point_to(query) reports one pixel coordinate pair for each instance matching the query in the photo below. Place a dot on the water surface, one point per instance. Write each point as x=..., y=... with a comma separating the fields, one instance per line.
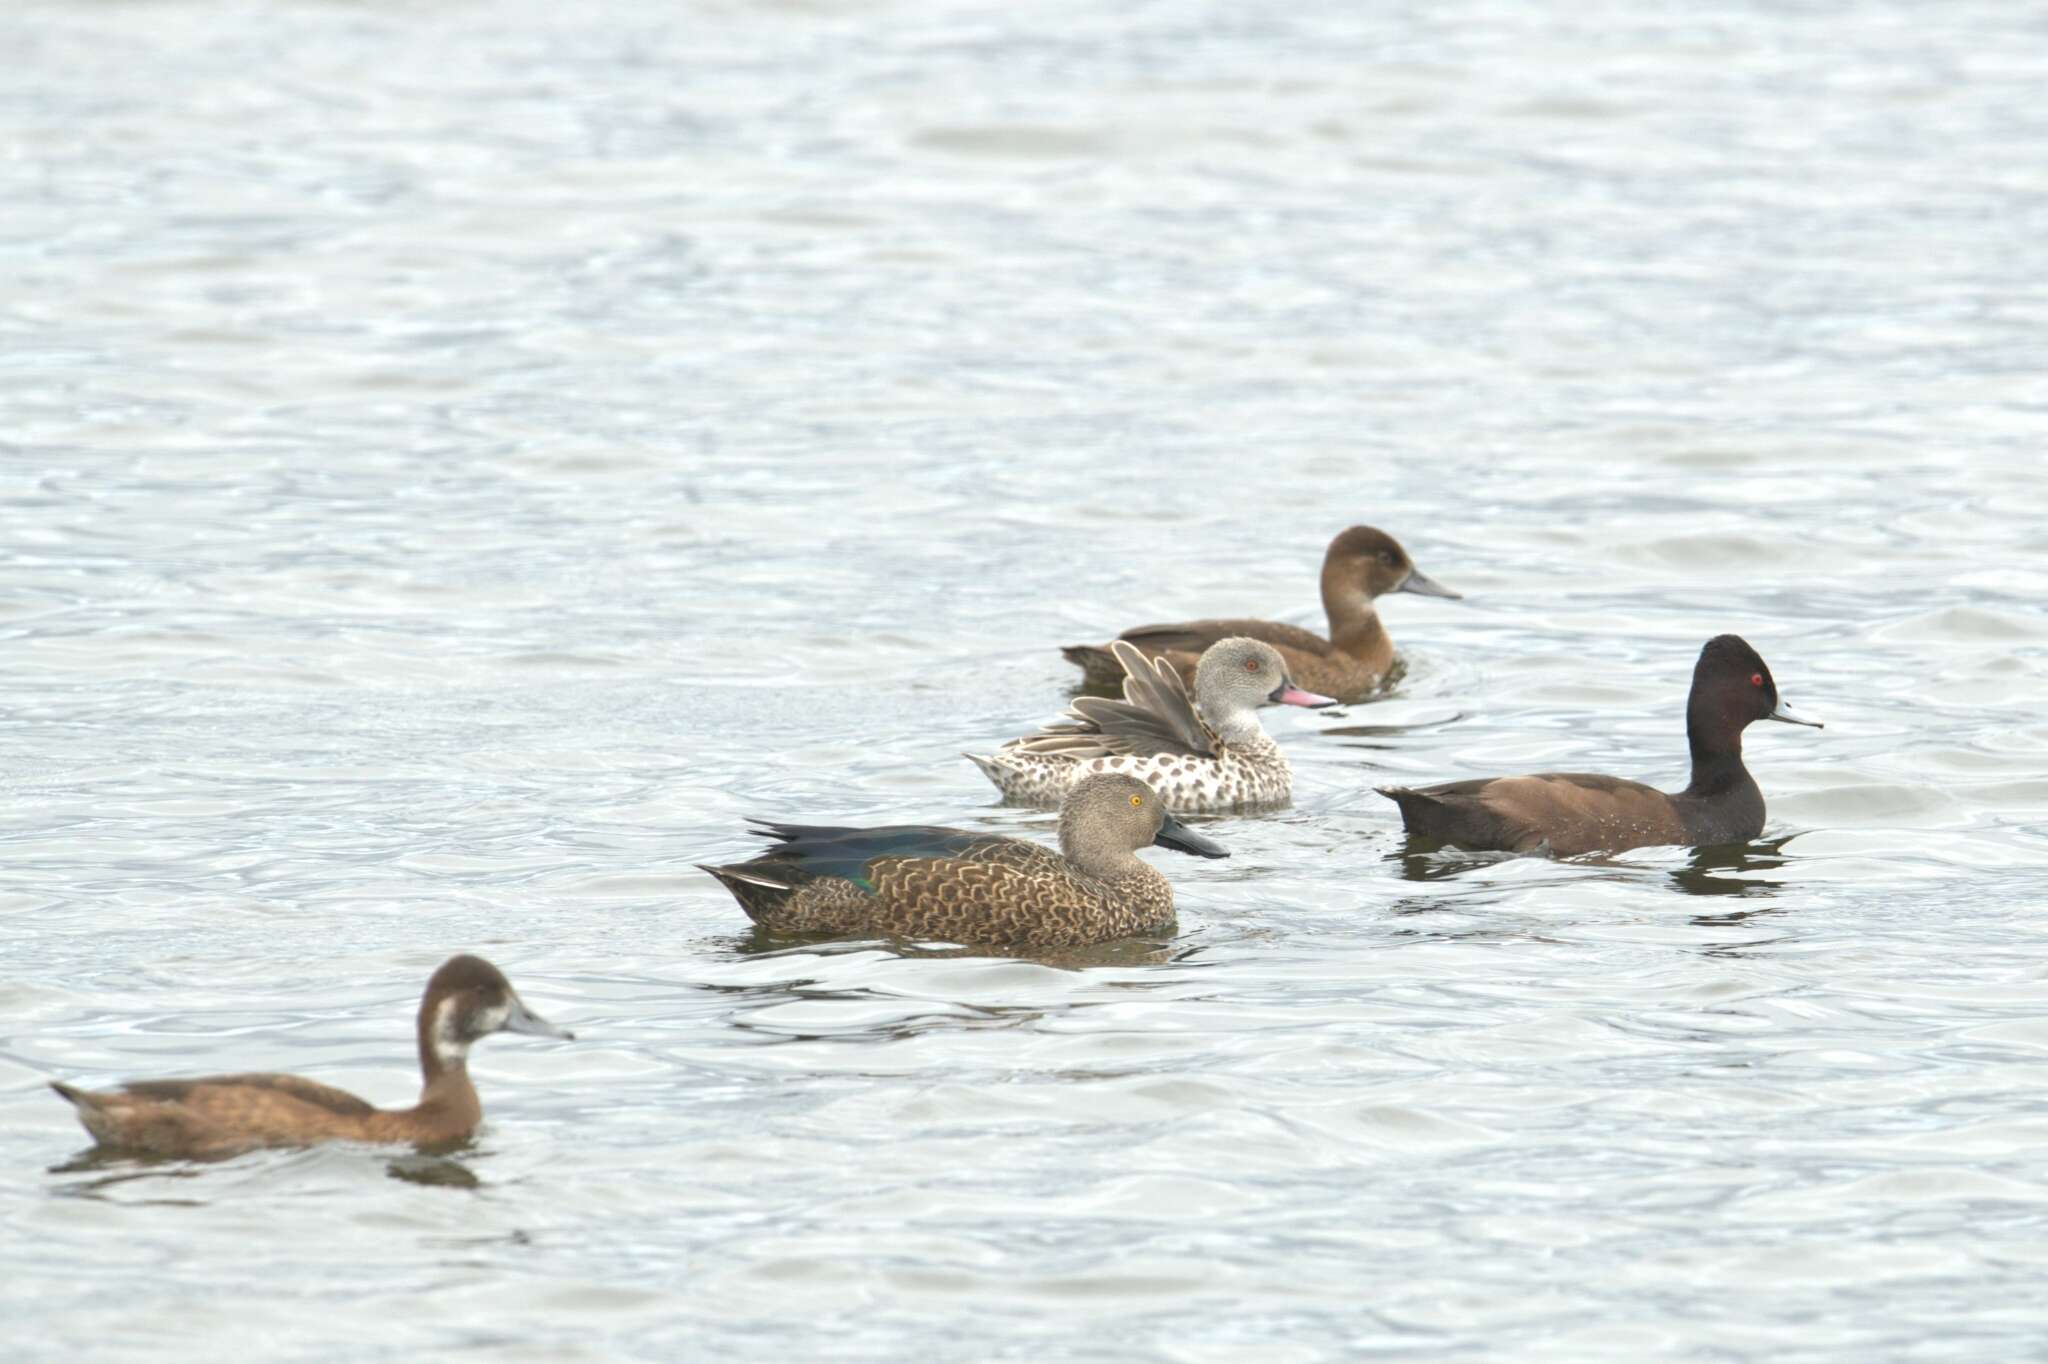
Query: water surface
x=458, y=461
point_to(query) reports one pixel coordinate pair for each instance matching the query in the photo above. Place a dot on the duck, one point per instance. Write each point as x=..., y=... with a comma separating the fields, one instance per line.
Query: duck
x=1567, y=813
x=1362, y=563
x=466, y=999
x=972, y=887
x=1219, y=760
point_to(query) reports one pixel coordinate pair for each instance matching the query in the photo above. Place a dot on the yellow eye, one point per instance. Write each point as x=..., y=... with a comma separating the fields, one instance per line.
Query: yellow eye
x=1137, y=800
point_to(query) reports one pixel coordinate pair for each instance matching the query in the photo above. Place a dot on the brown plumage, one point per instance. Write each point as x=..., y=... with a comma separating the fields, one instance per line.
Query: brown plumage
x=221, y=1115
x=1580, y=812
x=1362, y=563
x=918, y=881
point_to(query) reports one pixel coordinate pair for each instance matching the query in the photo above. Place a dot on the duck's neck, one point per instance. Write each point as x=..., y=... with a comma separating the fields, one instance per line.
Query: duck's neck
x=1716, y=748
x=447, y=1096
x=1354, y=623
x=445, y=1089
x=1236, y=725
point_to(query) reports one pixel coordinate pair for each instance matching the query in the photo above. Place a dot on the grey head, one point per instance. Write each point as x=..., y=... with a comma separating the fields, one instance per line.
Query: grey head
x=1108, y=816
x=1238, y=675
x=467, y=1000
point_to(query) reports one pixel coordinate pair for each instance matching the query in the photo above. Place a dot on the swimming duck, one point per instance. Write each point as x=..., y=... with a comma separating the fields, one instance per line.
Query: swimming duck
x=1577, y=812
x=968, y=887
x=1221, y=759
x=1361, y=563
x=221, y=1115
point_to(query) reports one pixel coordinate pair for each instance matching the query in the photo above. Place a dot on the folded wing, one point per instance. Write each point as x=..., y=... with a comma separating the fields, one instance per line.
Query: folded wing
x=1154, y=717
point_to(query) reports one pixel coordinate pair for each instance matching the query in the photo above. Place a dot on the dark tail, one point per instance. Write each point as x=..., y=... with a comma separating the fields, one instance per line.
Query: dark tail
x=1451, y=817
x=1413, y=803
x=1098, y=665
x=756, y=893
x=78, y=1098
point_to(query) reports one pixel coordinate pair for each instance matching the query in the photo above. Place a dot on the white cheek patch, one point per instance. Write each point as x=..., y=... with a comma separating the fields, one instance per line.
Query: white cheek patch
x=449, y=1043
x=449, y=1048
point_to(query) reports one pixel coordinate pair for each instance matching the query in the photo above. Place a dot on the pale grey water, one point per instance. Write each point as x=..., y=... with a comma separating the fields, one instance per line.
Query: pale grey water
x=460, y=459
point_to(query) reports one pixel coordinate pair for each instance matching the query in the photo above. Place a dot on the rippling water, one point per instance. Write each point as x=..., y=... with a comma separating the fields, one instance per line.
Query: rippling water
x=459, y=459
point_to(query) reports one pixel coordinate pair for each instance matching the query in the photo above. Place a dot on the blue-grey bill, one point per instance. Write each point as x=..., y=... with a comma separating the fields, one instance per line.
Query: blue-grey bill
x=1179, y=837
x=1784, y=712
x=523, y=1019
x=1423, y=585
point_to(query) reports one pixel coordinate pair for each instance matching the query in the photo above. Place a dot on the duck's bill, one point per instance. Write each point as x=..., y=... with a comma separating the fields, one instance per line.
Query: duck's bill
x=1179, y=837
x=523, y=1019
x=1784, y=712
x=1287, y=694
x=1423, y=585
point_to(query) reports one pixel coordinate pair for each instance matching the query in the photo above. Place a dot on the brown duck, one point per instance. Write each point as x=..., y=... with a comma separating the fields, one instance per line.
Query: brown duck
x=1579, y=812
x=221, y=1115
x=1361, y=564
x=917, y=881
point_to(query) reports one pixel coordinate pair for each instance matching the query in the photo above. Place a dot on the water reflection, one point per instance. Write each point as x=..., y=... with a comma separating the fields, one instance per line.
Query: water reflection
x=121, y=1167
x=1708, y=872
x=115, y=1167
x=1421, y=858
x=438, y=1171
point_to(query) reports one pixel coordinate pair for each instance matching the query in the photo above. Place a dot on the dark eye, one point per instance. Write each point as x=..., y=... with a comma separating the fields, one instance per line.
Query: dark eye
x=1387, y=557
x=1756, y=679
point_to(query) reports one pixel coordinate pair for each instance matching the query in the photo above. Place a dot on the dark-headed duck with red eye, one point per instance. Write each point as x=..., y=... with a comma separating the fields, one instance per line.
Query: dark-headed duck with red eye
x=1362, y=563
x=466, y=1000
x=1578, y=812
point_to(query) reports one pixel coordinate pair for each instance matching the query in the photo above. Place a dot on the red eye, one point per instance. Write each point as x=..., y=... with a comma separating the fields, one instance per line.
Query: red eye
x=1756, y=679
x=1251, y=665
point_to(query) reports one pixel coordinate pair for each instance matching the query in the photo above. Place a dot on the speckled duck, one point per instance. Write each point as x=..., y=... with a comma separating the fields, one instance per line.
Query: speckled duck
x=1219, y=760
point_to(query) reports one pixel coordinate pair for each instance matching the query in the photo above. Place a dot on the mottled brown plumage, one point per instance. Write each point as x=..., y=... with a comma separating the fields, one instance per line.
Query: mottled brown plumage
x=221, y=1115
x=961, y=886
x=1580, y=812
x=1362, y=563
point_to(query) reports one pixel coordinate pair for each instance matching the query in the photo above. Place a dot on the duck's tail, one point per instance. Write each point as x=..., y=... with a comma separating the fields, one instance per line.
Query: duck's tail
x=1421, y=812
x=1099, y=667
x=758, y=893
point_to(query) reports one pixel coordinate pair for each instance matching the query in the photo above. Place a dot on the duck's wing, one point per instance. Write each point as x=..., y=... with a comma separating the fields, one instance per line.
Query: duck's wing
x=1194, y=636
x=1566, y=811
x=807, y=851
x=835, y=879
x=226, y=1096
x=1154, y=717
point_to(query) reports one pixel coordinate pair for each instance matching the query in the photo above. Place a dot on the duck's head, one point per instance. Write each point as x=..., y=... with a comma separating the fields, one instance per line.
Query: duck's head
x=1112, y=811
x=1732, y=686
x=467, y=1000
x=1370, y=561
x=1242, y=674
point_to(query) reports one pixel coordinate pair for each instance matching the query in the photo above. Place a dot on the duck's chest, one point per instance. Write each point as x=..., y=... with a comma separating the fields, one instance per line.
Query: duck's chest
x=1239, y=775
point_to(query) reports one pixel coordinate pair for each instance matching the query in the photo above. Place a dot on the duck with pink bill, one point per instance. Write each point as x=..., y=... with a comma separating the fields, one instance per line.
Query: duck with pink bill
x=1205, y=755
